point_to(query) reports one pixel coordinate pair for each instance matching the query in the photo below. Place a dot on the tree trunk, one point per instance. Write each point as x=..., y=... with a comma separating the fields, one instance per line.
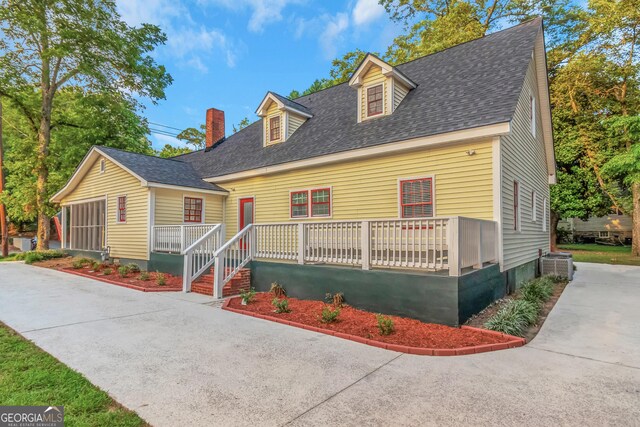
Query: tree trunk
x=553, y=230
x=4, y=232
x=635, y=234
x=42, y=171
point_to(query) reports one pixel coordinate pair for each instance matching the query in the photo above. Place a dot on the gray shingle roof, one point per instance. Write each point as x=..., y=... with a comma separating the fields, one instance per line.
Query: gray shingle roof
x=470, y=85
x=159, y=170
x=291, y=104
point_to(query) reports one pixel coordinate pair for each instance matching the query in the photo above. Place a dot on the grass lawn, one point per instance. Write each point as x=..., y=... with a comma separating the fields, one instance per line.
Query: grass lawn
x=11, y=257
x=590, y=252
x=30, y=376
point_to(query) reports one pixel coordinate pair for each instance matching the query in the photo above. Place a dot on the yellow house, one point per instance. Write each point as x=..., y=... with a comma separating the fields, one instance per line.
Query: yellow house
x=427, y=180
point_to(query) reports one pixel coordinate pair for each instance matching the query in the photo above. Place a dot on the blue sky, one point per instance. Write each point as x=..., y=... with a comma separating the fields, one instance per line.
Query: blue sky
x=228, y=53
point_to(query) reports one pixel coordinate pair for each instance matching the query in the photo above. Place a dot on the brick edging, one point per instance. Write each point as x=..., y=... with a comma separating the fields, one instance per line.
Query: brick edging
x=512, y=343
x=124, y=285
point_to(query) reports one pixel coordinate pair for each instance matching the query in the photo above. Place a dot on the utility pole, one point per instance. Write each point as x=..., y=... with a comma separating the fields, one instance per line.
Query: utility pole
x=4, y=232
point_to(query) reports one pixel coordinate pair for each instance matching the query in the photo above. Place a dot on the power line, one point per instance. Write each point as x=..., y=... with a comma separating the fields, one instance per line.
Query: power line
x=165, y=126
x=162, y=132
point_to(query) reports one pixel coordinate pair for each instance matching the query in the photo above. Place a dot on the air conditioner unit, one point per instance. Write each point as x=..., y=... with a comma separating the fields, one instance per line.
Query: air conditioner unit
x=557, y=264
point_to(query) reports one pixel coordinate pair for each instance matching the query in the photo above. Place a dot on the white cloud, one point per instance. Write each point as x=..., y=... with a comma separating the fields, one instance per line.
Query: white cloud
x=161, y=140
x=263, y=12
x=186, y=42
x=366, y=11
x=330, y=37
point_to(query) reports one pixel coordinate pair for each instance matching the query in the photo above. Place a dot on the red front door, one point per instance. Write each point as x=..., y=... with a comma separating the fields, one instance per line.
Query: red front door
x=245, y=214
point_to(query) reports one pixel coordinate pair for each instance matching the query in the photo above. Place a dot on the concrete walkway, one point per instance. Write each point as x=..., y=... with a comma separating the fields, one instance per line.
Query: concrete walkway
x=178, y=360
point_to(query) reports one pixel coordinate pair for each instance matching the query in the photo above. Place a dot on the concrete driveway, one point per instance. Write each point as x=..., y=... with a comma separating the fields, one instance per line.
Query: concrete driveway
x=179, y=360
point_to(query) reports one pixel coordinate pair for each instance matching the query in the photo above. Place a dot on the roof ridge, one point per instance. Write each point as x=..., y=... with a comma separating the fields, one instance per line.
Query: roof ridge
x=139, y=154
x=527, y=22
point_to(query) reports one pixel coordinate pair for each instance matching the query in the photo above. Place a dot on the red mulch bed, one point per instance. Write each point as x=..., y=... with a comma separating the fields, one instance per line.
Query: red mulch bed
x=408, y=332
x=173, y=283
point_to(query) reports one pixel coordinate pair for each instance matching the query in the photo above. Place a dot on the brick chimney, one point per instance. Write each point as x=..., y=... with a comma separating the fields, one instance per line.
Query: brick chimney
x=215, y=127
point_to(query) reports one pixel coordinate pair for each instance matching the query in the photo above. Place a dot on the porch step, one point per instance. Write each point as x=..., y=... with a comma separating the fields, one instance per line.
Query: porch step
x=240, y=282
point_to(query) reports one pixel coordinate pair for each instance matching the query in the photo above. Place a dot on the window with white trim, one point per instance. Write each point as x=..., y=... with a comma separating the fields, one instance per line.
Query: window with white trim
x=416, y=198
x=516, y=205
x=532, y=114
x=274, y=128
x=534, y=206
x=375, y=101
x=192, y=209
x=312, y=203
x=103, y=165
x=121, y=214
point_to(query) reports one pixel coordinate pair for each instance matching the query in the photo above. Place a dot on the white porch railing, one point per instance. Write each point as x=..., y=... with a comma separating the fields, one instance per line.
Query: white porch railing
x=200, y=255
x=448, y=243
x=176, y=238
x=232, y=256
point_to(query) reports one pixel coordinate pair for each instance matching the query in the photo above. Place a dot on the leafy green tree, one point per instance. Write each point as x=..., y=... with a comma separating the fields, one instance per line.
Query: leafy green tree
x=243, y=124
x=196, y=138
x=47, y=45
x=170, y=151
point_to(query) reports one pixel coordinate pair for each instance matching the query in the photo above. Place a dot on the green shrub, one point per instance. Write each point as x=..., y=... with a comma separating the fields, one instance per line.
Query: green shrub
x=281, y=305
x=537, y=291
x=161, y=279
x=107, y=271
x=248, y=295
x=144, y=275
x=30, y=257
x=277, y=290
x=95, y=266
x=385, y=324
x=329, y=315
x=133, y=267
x=123, y=270
x=514, y=317
x=77, y=264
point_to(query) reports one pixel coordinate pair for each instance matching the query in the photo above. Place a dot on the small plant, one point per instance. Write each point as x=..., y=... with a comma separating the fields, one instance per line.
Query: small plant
x=537, y=291
x=329, y=315
x=336, y=299
x=385, y=324
x=247, y=296
x=123, y=271
x=107, y=271
x=77, y=264
x=30, y=257
x=161, y=279
x=277, y=290
x=95, y=266
x=281, y=305
x=144, y=276
x=133, y=267
x=514, y=317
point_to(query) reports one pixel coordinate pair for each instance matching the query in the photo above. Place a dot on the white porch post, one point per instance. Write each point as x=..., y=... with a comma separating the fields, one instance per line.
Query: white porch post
x=186, y=274
x=182, y=245
x=453, y=241
x=479, y=264
x=218, y=276
x=301, y=243
x=64, y=228
x=365, y=241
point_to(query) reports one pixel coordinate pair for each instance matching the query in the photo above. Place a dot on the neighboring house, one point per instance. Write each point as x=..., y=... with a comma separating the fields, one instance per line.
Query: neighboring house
x=612, y=228
x=420, y=189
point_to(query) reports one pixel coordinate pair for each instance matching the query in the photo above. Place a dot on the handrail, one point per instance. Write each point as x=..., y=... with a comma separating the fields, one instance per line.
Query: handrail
x=199, y=256
x=231, y=257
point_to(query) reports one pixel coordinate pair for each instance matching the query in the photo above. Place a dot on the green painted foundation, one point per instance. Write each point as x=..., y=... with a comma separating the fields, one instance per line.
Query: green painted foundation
x=520, y=274
x=428, y=297
x=166, y=263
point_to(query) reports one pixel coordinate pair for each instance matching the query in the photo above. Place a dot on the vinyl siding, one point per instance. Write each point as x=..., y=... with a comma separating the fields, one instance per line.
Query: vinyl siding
x=367, y=189
x=524, y=160
x=128, y=240
x=399, y=92
x=373, y=77
x=272, y=112
x=295, y=122
x=169, y=208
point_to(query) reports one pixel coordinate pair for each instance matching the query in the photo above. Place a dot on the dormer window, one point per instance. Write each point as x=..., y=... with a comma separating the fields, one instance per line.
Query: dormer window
x=381, y=88
x=281, y=117
x=375, y=103
x=274, y=129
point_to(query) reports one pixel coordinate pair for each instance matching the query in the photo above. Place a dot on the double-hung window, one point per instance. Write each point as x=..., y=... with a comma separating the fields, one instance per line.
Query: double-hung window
x=192, y=209
x=374, y=100
x=274, y=128
x=122, y=209
x=416, y=198
x=314, y=203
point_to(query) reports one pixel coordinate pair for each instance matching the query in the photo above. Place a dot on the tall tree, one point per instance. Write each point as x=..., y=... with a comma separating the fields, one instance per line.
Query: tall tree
x=4, y=232
x=49, y=44
x=194, y=137
x=241, y=125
